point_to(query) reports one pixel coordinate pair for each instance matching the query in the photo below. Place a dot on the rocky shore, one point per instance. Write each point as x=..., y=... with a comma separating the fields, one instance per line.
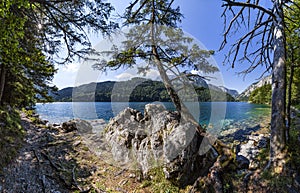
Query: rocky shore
x=71, y=156
x=135, y=141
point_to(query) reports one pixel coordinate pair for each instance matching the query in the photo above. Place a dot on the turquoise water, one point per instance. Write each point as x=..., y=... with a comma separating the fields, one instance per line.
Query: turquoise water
x=224, y=113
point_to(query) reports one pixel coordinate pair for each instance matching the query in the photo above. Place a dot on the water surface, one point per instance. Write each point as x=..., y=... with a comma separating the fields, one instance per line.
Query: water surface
x=223, y=114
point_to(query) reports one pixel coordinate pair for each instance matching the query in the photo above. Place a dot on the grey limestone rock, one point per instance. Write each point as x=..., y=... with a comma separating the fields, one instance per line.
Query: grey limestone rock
x=82, y=126
x=251, y=148
x=159, y=139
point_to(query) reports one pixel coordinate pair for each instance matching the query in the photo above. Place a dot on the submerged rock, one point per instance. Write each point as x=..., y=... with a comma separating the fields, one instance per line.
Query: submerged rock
x=159, y=139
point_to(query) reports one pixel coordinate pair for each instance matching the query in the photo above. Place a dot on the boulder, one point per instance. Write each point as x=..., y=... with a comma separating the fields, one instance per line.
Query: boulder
x=98, y=125
x=159, y=139
x=69, y=126
x=82, y=126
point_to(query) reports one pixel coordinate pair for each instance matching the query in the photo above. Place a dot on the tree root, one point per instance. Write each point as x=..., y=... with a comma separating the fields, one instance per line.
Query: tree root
x=213, y=182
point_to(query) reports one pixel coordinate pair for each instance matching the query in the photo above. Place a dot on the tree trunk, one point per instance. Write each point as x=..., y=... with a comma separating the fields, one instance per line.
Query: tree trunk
x=2, y=82
x=289, y=101
x=180, y=107
x=278, y=139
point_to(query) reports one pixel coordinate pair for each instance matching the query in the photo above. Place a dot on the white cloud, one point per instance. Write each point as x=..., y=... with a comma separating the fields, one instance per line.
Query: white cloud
x=72, y=67
x=124, y=76
x=196, y=72
x=150, y=74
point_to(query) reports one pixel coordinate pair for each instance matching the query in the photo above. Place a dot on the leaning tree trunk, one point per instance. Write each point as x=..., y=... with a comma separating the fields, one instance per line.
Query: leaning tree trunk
x=180, y=107
x=278, y=138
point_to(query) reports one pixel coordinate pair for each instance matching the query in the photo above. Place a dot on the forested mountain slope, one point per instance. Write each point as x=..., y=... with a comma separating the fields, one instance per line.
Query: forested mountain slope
x=143, y=90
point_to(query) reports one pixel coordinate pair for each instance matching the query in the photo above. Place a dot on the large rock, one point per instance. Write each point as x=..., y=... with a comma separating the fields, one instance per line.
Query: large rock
x=159, y=139
x=82, y=126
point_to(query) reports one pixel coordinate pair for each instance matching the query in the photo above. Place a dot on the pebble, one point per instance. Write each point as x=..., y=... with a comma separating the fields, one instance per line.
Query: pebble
x=76, y=143
x=123, y=182
x=253, y=165
x=132, y=175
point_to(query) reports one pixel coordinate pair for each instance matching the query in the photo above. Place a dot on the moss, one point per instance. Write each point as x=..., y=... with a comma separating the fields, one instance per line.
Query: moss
x=158, y=182
x=276, y=183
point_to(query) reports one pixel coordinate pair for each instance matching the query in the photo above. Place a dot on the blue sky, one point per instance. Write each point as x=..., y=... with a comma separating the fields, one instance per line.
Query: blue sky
x=202, y=20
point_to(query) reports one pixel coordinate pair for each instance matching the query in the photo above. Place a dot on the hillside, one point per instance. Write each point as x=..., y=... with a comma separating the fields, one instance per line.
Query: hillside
x=244, y=96
x=261, y=95
x=136, y=89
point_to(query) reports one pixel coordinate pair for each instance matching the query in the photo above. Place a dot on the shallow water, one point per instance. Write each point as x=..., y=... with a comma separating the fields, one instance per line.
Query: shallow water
x=215, y=116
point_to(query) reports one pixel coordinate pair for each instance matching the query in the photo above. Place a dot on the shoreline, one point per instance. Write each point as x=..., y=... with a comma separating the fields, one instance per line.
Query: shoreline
x=247, y=163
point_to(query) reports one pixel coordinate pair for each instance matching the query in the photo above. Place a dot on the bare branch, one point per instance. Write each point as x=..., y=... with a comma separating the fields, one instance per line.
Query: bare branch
x=237, y=45
x=250, y=5
x=230, y=27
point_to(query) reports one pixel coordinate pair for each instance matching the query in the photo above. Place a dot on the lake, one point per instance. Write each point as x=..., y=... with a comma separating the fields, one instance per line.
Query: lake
x=219, y=115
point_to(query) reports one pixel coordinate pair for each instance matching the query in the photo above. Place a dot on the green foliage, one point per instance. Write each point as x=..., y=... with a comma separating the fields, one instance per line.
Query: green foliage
x=63, y=26
x=293, y=49
x=207, y=95
x=32, y=34
x=175, y=51
x=296, y=87
x=159, y=183
x=261, y=95
x=11, y=135
x=25, y=73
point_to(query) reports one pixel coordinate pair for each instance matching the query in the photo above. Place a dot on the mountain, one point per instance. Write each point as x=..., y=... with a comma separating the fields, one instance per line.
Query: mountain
x=246, y=93
x=200, y=82
x=233, y=93
x=136, y=89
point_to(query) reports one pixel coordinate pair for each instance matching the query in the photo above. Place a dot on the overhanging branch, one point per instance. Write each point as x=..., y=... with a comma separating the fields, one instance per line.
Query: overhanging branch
x=250, y=5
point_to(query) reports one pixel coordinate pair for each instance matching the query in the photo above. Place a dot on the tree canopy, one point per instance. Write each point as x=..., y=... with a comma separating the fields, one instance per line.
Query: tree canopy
x=38, y=34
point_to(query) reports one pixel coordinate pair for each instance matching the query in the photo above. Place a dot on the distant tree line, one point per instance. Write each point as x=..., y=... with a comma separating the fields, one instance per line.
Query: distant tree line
x=147, y=91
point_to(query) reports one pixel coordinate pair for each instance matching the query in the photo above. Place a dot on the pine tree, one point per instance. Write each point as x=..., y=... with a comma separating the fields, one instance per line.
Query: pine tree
x=156, y=40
